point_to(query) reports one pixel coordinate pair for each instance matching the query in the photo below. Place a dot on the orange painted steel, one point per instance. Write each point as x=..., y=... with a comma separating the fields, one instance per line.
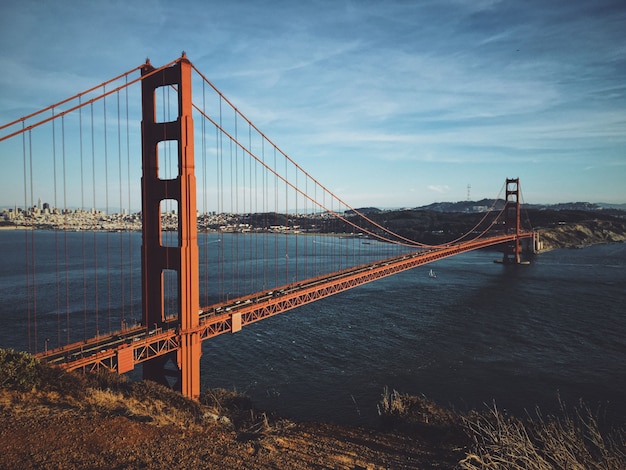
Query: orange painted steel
x=513, y=249
x=229, y=317
x=183, y=259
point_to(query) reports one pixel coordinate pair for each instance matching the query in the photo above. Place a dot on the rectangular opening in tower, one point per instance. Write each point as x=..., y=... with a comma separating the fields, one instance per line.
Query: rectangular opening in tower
x=170, y=227
x=166, y=104
x=170, y=294
x=167, y=159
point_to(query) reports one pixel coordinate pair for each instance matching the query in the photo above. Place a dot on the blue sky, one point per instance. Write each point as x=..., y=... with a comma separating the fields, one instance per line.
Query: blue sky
x=387, y=103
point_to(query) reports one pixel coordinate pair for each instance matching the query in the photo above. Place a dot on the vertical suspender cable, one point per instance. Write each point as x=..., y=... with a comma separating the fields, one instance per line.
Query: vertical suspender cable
x=296, y=215
x=316, y=238
x=323, y=234
x=121, y=212
x=236, y=270
x=253, y=189
x=247, y=211
x=130, y=232
x=276, y=223
x=265, y=189
x=222, y=210
x=220, y=195
x=334, y=236
x=253, y=210
x=286, y=226
x=306, y=218
x=66, y=249
x=233, y=239
x=243, y=259
x=26, y=246
x=56, y=228
x=95, y=238
x=204, y=200
x=33, y=246
x=82, y=207
x=220, y=242
x=106, y=211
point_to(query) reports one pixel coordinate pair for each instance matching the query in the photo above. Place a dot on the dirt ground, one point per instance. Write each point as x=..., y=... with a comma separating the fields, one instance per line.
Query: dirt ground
x=35, y=434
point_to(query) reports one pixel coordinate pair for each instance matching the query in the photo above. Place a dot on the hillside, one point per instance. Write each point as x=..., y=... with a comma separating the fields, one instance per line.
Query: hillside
x=562, y=228
x=53, y=419
x=583, y=233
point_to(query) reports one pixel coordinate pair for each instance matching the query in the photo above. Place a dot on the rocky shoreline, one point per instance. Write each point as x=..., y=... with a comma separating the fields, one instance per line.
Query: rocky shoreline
x=579, y=235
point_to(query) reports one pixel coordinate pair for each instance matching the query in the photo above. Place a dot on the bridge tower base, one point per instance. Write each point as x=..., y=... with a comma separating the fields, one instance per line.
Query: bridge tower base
x=182, y=259
x=513, y=250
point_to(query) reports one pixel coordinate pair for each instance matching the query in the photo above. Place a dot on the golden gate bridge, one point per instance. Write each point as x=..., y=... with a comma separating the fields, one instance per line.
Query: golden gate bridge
x=273, y=237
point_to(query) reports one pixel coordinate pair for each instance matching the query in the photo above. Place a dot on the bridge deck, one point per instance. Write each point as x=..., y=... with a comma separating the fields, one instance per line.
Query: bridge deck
x=121, y=351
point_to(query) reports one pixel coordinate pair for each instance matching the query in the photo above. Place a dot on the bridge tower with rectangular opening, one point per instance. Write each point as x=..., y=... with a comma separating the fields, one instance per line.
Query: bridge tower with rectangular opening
x=179, y=369
x=512, y=250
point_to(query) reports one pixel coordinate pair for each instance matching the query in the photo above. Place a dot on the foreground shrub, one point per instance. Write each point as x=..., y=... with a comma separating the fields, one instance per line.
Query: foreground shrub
x=18, y=370
x=421, y=416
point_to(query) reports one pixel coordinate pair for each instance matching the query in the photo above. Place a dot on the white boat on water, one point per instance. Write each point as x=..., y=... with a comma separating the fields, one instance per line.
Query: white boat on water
x=432, y=274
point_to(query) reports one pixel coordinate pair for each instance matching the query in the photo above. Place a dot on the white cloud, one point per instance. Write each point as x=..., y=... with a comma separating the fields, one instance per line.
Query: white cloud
x=439, y=188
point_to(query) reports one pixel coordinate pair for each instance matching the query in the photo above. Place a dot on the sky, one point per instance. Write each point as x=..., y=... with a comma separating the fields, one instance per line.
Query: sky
x=391, y=103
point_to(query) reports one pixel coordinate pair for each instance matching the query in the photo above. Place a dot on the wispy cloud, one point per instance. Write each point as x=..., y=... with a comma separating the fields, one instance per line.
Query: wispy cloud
x=453, y=86
x=438, y=188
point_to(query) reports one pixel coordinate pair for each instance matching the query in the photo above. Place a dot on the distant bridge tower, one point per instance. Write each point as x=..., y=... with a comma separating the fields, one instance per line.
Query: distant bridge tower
x=181, y=259
x=513, y=249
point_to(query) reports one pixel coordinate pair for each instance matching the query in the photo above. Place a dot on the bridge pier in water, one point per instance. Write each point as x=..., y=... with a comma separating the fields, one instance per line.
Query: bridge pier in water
x=183, y=258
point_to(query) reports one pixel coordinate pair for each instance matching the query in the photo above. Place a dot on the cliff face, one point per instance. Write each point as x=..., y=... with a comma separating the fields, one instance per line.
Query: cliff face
x=589, y=232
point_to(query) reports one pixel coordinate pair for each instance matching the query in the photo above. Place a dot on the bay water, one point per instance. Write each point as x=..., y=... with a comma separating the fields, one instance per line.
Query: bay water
x=478, y=332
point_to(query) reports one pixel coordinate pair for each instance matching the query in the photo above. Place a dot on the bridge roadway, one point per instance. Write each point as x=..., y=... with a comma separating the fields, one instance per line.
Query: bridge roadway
x=121, y=351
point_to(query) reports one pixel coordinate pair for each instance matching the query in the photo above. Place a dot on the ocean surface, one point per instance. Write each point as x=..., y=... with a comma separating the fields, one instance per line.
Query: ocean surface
x=480, y=331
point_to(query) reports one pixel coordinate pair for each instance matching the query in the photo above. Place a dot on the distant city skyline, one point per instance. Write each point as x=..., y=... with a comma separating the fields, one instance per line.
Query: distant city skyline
x=388, y=104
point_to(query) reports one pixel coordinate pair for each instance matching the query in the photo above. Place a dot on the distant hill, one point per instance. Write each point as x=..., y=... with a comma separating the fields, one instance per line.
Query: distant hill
x=562, y=225
x=364, y=210
x=463, y=206
x=485, y=204
x=604, y=205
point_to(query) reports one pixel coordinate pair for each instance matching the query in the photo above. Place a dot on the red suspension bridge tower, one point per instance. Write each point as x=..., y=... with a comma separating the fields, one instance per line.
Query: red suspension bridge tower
x=512, y=250
x=183, y=258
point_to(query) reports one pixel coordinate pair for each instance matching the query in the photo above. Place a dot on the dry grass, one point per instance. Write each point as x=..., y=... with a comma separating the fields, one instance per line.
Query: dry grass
x=154, y=411
x=573, y=441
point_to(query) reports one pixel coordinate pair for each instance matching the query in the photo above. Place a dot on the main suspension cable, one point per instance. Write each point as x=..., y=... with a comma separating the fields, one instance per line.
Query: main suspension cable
x=405, y=241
